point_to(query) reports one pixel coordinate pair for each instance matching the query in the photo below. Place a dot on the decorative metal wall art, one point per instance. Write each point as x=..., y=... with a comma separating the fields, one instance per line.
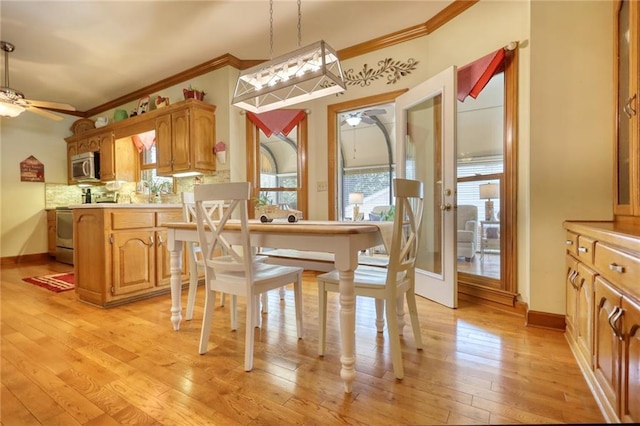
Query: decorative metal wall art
x=391, y=69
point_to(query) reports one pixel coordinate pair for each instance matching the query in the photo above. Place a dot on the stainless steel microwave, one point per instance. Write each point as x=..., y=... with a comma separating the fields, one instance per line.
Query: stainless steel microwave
x=85, y=167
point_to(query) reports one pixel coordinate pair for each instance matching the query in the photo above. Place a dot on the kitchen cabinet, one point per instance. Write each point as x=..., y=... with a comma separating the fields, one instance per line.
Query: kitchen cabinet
x=51, y=232
x=626, y=129
x=121, y=253
x=185, y=139
x=603, y=312
x=72, y=149
x=118, y=158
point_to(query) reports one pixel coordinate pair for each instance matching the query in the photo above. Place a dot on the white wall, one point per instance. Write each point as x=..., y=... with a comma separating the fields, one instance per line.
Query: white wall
x=571, y=150
x=23, y=225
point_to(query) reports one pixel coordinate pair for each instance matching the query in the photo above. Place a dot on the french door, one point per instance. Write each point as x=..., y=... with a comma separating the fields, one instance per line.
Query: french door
x=426, y=151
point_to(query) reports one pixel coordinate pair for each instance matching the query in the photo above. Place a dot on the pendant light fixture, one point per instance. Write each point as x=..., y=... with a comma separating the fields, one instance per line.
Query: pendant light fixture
x=307, y=73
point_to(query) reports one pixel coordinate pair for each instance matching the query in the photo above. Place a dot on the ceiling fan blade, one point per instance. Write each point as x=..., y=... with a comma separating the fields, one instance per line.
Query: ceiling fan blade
x=45, y=104
x=371, y=112
x=44, y=113
x=367, y=120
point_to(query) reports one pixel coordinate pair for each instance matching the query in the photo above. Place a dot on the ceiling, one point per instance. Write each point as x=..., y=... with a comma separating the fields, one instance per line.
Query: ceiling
x=87, y=53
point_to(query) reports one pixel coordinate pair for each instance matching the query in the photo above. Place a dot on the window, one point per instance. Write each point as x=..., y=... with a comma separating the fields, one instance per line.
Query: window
x=148, y=170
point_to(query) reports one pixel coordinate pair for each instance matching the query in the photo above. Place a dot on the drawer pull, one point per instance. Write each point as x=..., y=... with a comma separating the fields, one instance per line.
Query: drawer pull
x=617, y=268
x=583, y=249
x=569, y=242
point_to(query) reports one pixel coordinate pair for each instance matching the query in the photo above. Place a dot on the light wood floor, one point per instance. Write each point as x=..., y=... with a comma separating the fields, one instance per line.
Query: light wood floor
x=68, y=363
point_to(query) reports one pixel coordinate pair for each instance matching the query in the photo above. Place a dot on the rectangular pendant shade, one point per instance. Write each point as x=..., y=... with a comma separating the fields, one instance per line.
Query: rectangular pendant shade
x=308, y=73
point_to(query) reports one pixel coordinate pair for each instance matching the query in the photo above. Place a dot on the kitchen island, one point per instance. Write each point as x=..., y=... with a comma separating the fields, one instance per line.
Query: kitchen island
x=120, y=251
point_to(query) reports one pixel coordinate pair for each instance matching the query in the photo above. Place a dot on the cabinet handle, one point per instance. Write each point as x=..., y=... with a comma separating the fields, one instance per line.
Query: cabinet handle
x=628, y=109
x=160, y=242
x=572, y=279
x=582, y=249
x=151, y=240
x=613, y=318
x=581, y=283
x=617, y=268
x=569, y=242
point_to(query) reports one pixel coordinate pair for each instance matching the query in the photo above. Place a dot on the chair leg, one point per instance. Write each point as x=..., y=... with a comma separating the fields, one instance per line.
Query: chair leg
x=191, y=299
x=209, y=304
x=223, y=299
x=297, y=294
x=380, y=315
x=394, y=339
x=413, y=314
x=254, y=304
x=234, y=312
x=400, y=314
x=249, y=334
x=265, y=303
x=322, y=317
x=282, y=292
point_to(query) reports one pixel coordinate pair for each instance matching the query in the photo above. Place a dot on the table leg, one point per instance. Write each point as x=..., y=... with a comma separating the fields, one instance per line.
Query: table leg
x=347, y=329
x=175, y=250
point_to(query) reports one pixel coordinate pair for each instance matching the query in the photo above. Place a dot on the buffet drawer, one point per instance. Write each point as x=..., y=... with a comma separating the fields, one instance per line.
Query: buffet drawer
x=571, y=241
x=585, y=249
x=132, y=219
x=618, y=267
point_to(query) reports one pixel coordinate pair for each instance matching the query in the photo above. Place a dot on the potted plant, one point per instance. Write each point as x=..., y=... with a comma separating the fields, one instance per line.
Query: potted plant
x=192, y=93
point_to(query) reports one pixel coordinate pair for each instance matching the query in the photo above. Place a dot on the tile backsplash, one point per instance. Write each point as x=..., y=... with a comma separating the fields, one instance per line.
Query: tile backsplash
x=61, y=195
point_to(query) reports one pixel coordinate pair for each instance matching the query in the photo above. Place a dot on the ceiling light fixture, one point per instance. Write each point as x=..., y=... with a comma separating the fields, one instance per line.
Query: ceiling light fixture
x=307, y=73
x=354, y=120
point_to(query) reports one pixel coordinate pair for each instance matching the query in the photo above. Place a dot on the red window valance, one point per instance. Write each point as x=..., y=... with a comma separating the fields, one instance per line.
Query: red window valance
x=277, y=121
x=474, y=76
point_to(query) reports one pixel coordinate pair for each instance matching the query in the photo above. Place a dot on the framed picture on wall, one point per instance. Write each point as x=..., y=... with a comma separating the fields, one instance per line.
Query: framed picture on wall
x=143, y=105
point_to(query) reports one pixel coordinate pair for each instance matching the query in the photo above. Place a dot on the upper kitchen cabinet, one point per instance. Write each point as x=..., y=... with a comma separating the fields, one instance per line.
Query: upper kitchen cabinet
x=185, y=139
x=627, y=147
x=118, y=158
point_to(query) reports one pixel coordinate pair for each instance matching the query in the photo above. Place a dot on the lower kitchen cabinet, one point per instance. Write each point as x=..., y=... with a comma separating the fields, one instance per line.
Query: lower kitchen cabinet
x=603, y=313
x=122, y=253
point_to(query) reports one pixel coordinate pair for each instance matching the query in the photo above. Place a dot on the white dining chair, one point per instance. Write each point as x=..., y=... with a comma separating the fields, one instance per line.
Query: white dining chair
x=392, y=283
x=237, y=273
x=214, y=210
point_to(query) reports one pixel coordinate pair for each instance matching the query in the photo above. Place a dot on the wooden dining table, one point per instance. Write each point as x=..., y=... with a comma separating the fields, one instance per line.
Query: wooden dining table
x=344, y=239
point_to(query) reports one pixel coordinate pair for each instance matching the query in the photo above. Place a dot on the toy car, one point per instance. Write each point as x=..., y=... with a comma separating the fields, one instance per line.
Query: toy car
x=279, y=211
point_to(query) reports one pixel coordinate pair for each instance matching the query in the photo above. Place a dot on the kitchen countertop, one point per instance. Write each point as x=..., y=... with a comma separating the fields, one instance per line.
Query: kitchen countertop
x=125, y=206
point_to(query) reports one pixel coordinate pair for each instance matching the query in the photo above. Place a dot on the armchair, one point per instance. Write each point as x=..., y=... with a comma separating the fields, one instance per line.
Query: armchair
x=467, y=230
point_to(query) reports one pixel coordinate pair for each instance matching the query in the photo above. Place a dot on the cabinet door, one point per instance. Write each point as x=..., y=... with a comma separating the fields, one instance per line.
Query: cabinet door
x=631, y=363
x=93, y=143
x=107, y=158
x=163, y=144
x=570, y=277
x=607, y=350
x=134, y=262
x=180, y=131
x=72, y=149
x=203, y=140
x=627, y=173
x=83, y=146
x=584, y=311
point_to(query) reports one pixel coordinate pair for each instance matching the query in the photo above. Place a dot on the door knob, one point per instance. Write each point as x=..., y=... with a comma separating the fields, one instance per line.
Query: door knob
x=445, y=207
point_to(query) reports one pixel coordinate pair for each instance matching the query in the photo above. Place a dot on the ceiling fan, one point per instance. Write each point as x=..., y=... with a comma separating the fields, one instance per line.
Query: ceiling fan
x=355, y=118
x=13, y=102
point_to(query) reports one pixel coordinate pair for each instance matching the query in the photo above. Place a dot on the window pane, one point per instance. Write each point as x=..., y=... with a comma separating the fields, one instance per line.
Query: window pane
x=279, y=160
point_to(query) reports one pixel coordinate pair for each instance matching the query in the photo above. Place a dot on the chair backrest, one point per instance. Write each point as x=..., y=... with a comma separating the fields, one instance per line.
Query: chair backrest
x=210, y=229
x=406, y=229
x=214, y=209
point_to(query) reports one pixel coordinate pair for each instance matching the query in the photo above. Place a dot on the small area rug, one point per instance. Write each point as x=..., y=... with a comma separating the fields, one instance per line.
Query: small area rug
x=54, y=282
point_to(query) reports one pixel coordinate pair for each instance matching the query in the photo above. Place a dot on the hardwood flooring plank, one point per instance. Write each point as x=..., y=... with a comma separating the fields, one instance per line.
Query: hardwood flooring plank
x=67, y=362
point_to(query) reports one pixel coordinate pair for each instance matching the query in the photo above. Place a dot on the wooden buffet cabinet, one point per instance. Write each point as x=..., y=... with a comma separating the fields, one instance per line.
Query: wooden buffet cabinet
x=185, y=137
x=603, y=258
x=120, y=252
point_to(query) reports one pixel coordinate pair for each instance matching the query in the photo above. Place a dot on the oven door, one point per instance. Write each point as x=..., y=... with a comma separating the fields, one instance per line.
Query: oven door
x=64, y=236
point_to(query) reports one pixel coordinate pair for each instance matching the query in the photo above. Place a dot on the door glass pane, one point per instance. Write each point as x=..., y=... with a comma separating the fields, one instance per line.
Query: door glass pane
x=423, y=149
x=624, y=190
x=279, y=160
